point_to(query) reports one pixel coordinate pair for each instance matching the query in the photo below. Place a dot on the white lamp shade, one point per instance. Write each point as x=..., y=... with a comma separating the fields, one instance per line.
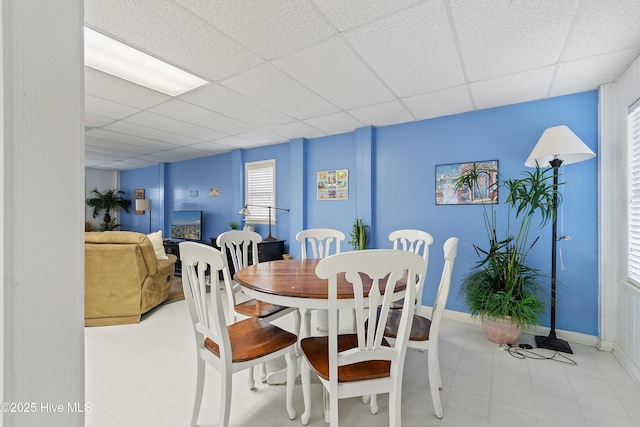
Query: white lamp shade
x=143, y=204
x=559, y=142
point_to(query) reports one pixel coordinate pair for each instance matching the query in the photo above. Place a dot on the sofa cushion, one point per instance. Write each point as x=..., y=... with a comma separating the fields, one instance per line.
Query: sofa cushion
x=158, y=247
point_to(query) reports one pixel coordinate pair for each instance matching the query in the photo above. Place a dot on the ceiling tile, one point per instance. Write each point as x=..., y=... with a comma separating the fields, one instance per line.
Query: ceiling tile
x=270, y=28
x=232, y=104
x=215, y=146
x=334, y=124
x=173, y=126
x=172, y=33
x=412, y=51
x=440, y=103
x=273, y=88
x=130, y=139
x=106, y=108
x=349, y=14
x=94, y=121
x=504, y=36
x=297, y=130
x=389, y=113
x=230, y=142
x=200, y=116
x=263, y=137
x=335, y=72
x=512, y=89
x=620, y=19
x=571, y=78
x=108, y=87
x=109, y=144
x=134, y=129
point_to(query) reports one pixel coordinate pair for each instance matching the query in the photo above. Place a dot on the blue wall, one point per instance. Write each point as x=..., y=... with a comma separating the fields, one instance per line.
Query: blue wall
x=391, y=186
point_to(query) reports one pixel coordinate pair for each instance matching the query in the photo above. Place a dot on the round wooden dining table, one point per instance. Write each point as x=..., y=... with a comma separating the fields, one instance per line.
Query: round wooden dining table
x=293, y=283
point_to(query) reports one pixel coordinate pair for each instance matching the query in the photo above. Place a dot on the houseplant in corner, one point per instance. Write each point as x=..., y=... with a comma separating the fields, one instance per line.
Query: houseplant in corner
x=503, y=289
x=359, y=235
x=107, y=201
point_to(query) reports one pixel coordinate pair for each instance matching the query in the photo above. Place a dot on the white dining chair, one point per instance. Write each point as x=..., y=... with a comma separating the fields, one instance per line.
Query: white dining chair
x=424, y=331
x=225, y=344
x=319, y=241
x=416, y=241
x=241, y=248
x=359, y=364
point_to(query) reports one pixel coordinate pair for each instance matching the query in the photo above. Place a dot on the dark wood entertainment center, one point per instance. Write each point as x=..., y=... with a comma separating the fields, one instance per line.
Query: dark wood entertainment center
x=267, y=251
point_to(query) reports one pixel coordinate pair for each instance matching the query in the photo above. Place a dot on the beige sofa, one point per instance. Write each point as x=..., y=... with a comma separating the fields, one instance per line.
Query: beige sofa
x=123, y=277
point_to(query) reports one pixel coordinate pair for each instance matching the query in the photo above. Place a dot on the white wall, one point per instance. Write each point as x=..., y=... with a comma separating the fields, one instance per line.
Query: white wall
x=102, y=180
x=619, y=300
x=42, y=154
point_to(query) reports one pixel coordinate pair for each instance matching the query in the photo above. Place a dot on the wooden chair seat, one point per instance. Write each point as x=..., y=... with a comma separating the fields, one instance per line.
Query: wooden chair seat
x=253, y=338
x=420, y=326
x=257, y=308
x=316, y=349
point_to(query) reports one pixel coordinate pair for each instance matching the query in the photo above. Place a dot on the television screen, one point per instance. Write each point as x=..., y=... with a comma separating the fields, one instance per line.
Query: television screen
x=186, y=225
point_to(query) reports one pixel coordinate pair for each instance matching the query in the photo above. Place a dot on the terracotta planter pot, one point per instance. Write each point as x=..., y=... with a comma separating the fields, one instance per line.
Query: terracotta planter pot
x=501, y=331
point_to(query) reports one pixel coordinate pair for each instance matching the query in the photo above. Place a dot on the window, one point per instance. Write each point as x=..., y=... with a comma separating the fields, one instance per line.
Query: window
x=260, y=190
x=633, y=185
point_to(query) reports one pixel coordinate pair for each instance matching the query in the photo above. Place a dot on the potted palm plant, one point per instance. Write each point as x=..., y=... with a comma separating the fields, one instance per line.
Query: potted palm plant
x=108, y=201
x=503, y=289
x=359, y=235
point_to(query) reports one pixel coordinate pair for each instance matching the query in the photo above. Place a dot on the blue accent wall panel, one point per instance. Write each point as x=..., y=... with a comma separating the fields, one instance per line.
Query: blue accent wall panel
x=392, y=186
x=324, y=154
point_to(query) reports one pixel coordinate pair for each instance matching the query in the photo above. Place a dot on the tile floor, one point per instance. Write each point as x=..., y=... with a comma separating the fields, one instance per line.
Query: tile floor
x=144, y=375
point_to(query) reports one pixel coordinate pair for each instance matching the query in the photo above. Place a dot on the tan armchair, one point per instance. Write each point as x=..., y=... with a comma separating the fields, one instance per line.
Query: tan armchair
x=122, y=277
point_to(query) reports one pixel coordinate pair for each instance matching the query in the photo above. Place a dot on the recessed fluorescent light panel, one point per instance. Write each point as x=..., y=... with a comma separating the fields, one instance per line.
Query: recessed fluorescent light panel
x=118, y=59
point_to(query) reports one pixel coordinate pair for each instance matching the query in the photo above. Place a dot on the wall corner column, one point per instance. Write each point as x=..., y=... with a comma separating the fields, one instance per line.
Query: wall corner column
x=364, y=188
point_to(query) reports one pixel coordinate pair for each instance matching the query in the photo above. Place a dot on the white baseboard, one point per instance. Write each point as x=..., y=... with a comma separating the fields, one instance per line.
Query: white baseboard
x=575, y=337
x=628, y=364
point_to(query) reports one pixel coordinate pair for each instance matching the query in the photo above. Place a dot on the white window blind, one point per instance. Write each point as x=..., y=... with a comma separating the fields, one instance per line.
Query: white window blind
x=260, y=190
x=633, y=186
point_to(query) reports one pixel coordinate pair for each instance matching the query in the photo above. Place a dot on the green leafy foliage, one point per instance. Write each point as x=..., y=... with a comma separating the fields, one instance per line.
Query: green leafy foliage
x=502, y=283
x=107, y=201
x=359, y=235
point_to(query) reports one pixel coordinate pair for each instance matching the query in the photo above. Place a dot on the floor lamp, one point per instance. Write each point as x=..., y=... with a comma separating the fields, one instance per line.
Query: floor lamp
x=245, y=211
x=144, y=205
x=558, y=145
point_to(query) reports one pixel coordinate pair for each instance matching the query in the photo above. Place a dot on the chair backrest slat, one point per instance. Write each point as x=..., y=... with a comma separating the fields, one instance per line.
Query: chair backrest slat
x=199, y=264
x=416, y=241
x=320, y=240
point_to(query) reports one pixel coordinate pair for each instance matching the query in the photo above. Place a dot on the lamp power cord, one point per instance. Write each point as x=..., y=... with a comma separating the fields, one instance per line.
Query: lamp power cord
x=525, y=352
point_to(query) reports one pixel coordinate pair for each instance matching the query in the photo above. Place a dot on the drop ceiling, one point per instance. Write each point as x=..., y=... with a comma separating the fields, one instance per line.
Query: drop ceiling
x=285, y=69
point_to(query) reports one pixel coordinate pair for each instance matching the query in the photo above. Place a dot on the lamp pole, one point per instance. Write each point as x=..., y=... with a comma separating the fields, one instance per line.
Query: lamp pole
x=552, y=342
